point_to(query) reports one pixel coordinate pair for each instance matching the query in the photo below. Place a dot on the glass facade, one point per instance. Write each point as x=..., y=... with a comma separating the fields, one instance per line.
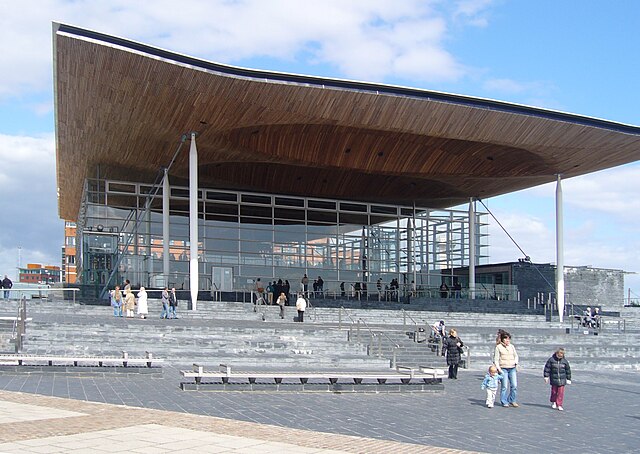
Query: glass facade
x=245, y=236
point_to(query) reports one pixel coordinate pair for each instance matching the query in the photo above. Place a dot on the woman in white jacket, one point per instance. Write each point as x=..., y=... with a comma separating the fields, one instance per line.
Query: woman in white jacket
x=143, y=306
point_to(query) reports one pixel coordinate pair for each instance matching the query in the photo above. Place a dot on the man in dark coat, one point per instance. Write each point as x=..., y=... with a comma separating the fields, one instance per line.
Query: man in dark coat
x=6, y=284
x=557, y=372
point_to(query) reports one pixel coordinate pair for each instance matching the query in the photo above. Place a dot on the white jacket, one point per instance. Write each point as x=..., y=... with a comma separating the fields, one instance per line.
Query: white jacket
x=301, y=304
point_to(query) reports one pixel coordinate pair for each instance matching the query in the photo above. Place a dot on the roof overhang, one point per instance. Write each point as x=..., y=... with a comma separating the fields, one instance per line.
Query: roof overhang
x=123, y=108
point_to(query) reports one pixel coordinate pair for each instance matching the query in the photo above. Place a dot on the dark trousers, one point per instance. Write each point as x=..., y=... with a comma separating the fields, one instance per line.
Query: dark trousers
x=301, y=316
x=453, y=371
x=282, y=310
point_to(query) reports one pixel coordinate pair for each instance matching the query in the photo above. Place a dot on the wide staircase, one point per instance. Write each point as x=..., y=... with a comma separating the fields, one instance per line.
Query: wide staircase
x=330, y=337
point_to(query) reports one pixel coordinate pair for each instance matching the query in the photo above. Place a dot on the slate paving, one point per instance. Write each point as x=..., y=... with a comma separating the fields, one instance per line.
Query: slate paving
x=602, y=411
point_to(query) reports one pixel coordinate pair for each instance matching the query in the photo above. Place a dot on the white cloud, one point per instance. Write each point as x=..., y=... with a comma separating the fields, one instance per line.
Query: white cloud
x=366, y=39
x=473, y=12
x=28, y=188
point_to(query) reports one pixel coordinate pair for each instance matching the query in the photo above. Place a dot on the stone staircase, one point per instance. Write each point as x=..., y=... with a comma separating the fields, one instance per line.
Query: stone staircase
x=331, y=337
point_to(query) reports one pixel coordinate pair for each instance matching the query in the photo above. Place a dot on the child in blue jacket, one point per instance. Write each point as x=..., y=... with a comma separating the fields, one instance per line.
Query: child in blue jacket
x=491, y=383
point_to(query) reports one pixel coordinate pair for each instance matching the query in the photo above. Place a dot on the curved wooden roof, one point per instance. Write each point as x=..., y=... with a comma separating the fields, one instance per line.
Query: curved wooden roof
x=123, y=107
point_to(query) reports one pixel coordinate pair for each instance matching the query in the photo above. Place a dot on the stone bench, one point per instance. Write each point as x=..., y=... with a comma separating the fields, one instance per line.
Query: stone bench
x=404, y=374
x=125, y=360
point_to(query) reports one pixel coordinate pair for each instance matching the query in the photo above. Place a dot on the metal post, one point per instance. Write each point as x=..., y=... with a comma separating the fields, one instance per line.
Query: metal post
x=559, y=250
x=472, y=249
x=393, y=358
x=193, y=221
x=166, y=193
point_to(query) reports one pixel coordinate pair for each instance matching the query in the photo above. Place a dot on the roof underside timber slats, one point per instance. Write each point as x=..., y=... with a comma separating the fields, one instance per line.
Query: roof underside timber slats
x=123, y=107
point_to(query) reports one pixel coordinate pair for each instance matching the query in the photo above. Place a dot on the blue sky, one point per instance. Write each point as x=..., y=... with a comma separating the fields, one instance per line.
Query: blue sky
x=577, y=56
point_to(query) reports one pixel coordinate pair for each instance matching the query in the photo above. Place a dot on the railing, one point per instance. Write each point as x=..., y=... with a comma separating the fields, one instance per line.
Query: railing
x=42, y=292
x=375, y=337
x=19, y=325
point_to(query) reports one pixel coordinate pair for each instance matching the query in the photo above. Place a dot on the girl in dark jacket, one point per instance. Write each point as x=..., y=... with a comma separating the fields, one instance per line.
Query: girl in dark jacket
x=453, y=346
x=557, y=372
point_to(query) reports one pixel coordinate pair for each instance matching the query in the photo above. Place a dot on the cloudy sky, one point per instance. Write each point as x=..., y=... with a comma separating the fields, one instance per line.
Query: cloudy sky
x=578, y=56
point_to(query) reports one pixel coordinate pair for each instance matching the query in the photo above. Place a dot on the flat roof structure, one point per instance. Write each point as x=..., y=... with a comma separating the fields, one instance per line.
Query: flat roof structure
x=122, y=108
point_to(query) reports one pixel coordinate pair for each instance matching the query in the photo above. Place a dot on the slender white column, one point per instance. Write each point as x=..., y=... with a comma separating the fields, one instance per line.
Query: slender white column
x=472, y=249
x=193, y=221
x=559, y=251
x=166, y=192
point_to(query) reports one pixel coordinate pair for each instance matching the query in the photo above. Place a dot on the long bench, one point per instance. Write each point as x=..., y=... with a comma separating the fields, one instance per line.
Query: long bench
x=226, y=374
x=125, y=360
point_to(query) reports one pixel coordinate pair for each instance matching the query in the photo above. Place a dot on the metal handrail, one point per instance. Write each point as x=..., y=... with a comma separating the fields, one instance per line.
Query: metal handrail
x=404, y=319
x=378, y=335
x=342, y=309
x=19, y=325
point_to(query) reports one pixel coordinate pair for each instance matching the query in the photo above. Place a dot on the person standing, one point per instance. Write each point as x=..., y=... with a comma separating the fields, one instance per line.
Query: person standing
x=165, y=303
x=6, y=285
x=491, y=383
x=282, y=301
x=444, y=290
x=116, y=301
x=505, y=358
x=143, y=306
x=305, y=284
x=270, y=291
x=557, y=372
x=454, y=349
x=301, y=306
x=129, y=302
x=259, y=289
x=173, y=303
x=286, y=288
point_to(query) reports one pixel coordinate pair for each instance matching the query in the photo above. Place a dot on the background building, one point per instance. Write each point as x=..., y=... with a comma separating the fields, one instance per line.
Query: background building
x=526, y=281
x=69, y=275
x=36, y=273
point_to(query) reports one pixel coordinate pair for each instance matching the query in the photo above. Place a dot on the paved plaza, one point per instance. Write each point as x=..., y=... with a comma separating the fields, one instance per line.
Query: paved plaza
x=61, y=413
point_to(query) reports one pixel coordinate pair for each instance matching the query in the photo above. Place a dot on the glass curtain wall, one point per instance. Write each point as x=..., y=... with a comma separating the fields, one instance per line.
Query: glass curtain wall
x=270, y=237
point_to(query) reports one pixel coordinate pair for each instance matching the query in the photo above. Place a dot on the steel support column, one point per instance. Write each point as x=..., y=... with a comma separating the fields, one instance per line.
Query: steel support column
x=559, y=251
x=193, y=221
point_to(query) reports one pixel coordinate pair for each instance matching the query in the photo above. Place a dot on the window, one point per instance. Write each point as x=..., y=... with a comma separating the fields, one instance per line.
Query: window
x=70, y=241
x=71, y=259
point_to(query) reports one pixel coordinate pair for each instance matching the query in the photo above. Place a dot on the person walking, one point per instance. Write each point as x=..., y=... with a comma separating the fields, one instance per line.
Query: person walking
x=173, y=303
x=282, y=301
x=454, y=349
x=6, y=285
x=491, y=383
x=505, y=358
x=165, y=303
x=143, y=306
x=557, y=372
x=301, y=306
